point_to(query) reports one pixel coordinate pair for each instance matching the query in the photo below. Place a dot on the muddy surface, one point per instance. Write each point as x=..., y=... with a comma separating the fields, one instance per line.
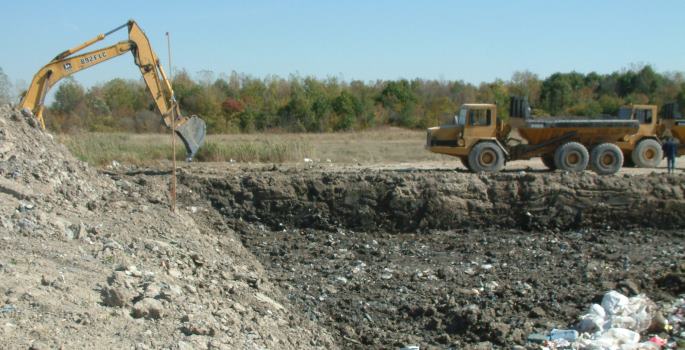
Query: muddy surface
x=446, y=259
x=456, y=289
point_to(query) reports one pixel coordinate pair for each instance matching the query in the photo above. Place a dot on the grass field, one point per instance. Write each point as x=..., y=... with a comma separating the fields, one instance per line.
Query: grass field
x=376, y=146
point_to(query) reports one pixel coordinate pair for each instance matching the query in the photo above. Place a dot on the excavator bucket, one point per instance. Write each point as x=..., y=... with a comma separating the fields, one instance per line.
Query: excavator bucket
x=192, y=133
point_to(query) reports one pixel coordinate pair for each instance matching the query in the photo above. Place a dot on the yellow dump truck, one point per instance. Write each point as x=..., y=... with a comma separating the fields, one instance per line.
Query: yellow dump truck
x=484, y=142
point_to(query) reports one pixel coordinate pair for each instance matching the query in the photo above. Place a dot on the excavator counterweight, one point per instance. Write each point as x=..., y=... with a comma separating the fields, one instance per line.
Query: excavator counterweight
x=192, y=131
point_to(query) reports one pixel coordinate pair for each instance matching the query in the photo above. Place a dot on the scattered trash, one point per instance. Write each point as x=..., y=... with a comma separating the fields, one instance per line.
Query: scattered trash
x=410, y=347
x=616, y=324
x=537, y=338
x=657, y=340
x=566, y=334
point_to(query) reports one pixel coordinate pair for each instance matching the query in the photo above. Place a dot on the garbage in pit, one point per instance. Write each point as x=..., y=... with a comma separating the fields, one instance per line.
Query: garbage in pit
x=617, y=324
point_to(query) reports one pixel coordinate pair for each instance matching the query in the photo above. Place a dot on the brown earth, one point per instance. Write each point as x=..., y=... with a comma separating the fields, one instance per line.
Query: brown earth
x=316, y=256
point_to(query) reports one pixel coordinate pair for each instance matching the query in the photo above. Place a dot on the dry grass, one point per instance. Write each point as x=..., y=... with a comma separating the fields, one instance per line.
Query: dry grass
x=389, y=145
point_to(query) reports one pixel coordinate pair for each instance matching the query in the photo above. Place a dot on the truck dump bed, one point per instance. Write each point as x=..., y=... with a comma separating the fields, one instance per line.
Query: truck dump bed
x=678, y=130
x=586, y=131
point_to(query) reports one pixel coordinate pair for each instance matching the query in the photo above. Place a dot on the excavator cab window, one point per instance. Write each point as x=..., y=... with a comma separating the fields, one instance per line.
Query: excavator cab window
x=480, y=117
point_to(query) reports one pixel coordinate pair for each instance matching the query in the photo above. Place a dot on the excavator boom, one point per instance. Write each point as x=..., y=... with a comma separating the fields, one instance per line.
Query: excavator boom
x=192, y=131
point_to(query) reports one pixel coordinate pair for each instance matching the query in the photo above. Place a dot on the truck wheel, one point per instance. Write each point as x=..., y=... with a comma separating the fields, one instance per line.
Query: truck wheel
x=486, y=156
x=647, y=154
x=606, y=159
x=571, y=156
x=465, y=162
x=548, y=161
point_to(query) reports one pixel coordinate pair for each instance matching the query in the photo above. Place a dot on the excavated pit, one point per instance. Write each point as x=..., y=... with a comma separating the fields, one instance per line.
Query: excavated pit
x=447, y=259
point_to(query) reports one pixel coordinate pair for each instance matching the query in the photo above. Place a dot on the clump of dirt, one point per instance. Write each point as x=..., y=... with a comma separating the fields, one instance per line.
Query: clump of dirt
x=88, y=260
x=420, y=200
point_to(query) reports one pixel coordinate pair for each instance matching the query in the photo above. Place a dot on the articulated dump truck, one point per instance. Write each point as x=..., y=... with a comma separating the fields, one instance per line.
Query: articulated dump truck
x=484, y=142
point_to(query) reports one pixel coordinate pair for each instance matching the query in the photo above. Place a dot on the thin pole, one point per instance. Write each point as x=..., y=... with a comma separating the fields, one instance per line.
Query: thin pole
x=173, y=130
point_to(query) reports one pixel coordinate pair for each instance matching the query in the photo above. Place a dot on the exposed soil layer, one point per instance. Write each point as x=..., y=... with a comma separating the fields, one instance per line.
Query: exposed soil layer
x=396, y=201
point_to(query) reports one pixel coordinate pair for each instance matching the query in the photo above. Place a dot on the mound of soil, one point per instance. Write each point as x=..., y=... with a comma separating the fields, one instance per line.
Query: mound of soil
x=92, y=261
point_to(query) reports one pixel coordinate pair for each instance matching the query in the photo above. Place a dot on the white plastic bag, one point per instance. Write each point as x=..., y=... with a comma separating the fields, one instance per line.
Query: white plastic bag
x=621, y=336
x=614, y=302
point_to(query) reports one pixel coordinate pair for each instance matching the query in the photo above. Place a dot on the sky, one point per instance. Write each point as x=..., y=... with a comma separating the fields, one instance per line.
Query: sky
x=474, y=41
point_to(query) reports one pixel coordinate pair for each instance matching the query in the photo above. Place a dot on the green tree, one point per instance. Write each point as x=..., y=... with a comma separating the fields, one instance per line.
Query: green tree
x=399, y=100
x=69, y=95
x=348, y=109
x=525, y=83
x=124, y=97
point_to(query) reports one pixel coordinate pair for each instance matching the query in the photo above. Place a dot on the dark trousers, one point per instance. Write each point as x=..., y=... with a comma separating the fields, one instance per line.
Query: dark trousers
x=671, y=164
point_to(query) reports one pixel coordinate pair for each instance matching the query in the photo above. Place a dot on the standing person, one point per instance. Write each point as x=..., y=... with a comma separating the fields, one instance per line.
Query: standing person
x=670, y=149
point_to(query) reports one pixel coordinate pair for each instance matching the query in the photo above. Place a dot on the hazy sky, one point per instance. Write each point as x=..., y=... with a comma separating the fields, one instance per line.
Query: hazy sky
x=470, y=40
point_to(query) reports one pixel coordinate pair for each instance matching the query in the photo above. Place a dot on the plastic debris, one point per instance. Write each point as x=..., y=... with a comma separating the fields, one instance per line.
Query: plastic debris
x=657, y=340
x=565, y=334
x=537, y=338
x=616, y=324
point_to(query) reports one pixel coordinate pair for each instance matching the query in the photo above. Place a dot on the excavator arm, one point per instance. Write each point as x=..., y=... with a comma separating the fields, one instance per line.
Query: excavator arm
x=191, y=130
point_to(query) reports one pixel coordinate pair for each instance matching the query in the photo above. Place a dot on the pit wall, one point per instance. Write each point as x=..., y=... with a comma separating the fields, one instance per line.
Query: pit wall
x=397, y=201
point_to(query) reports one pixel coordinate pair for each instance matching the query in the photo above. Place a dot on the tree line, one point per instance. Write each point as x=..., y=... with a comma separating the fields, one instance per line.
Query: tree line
x=242, y=103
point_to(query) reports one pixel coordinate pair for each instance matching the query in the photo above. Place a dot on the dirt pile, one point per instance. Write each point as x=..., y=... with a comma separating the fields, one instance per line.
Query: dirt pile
x=420, y=200
x=89, y=260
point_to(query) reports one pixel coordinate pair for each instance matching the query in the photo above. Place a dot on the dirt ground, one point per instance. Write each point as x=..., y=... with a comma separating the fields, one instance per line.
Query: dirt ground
x=317, y=255
x=392, y=256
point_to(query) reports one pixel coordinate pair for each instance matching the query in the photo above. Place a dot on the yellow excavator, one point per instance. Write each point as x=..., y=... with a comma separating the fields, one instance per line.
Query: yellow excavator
x=191, y=130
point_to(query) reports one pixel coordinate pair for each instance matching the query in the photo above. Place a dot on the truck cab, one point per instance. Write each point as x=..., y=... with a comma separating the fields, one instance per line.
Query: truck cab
x=473, y=123
x=646, y=115
x=642, y=149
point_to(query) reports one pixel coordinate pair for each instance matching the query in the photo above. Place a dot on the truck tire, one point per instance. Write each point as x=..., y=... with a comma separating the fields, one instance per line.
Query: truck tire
x=548, y=161
x=606, y=159
x=647, y=154
x=571, y=156
x=486, y=156
x=465, y=162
